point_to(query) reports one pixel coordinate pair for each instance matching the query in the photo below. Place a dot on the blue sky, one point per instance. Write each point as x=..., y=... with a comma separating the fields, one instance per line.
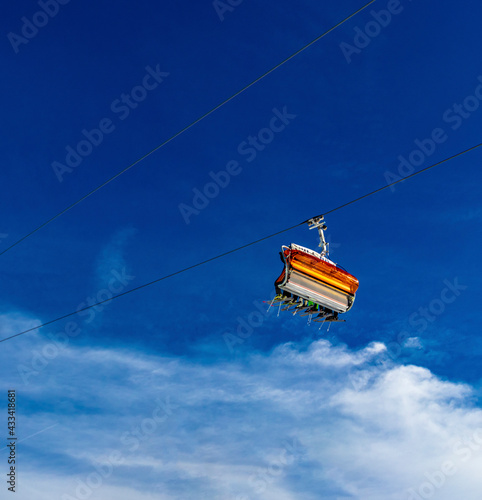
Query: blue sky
x=277, y=409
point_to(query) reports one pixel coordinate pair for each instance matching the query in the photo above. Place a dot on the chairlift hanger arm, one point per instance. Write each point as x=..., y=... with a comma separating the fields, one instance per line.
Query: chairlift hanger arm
x=319, y=223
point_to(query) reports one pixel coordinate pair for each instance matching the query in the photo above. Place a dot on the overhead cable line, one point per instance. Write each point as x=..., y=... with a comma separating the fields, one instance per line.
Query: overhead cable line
x=145, y=285
x=195, y=122
x=404, y=178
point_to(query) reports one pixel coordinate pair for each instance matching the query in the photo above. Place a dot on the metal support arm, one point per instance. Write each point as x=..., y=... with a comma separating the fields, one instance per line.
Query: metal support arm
x=319, y=223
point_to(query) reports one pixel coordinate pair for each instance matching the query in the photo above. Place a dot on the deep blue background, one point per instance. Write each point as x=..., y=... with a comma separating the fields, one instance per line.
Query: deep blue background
x=352, y=122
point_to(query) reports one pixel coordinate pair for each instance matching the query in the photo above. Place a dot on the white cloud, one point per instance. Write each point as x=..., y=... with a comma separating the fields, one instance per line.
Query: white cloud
x=293, y=424
x=13, y=323
x=52, y=487
x=413, y=343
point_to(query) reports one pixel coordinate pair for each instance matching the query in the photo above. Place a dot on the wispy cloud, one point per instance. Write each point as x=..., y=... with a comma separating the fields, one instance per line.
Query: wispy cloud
x=112, y=255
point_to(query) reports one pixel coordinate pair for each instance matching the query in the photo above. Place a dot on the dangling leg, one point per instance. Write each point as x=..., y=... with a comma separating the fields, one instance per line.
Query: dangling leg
x=294, y=301
x=299, y=306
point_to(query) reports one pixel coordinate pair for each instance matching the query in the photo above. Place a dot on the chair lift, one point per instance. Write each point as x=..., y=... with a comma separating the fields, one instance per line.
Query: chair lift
x=311, y=284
